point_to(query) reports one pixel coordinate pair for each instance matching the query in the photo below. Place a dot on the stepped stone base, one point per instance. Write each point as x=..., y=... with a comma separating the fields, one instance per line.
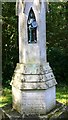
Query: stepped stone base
x=59, y=112
x=33, y=89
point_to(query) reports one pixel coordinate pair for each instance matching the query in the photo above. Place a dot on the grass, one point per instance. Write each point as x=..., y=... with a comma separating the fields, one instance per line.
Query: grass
x=61, y=95
x=6, y=97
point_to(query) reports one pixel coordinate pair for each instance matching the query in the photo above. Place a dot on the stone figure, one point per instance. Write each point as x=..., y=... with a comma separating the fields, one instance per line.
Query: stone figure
x=32, y=27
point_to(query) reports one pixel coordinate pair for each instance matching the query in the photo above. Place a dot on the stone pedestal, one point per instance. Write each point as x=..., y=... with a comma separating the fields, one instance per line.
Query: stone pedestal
x=33, y=82
x=58, y=113
x=33, y=89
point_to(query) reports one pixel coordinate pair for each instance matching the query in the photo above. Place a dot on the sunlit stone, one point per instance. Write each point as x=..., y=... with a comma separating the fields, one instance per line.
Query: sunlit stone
x=33, y=82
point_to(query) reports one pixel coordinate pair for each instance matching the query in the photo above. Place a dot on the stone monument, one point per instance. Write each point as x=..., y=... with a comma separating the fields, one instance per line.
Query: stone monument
x=33, y=82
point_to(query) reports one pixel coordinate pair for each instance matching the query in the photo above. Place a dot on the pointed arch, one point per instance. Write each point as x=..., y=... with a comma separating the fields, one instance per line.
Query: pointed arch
x=31, y=12
x=32, y=27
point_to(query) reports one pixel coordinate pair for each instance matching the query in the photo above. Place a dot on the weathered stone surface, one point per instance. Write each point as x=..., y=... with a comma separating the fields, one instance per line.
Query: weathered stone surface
x=34, y=101
x=33, y=68
x=41, y=77
x=33, y=82
x=58, y=113
x=34, y=85
x=33, y=93
x=32, y=53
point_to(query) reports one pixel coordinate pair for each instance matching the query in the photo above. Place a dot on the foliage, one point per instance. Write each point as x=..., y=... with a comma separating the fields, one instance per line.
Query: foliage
x=59, y=63
x=9, y=41
x=57, y=40
x=6, y=97
x=57, y=44
x=62, y=94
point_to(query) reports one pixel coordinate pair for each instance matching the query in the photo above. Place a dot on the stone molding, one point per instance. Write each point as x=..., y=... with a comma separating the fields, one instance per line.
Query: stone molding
x=33, y=76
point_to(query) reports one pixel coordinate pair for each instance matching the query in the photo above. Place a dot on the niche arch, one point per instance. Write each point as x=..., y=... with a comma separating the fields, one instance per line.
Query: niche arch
x=32, y=27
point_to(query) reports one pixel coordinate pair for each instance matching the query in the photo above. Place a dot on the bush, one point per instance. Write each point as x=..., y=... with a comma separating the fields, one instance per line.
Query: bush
x=59, y=62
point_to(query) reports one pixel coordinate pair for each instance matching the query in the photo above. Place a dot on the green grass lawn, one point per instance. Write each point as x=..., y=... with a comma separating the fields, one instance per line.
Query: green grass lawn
x=6, y=97
x=61, y=95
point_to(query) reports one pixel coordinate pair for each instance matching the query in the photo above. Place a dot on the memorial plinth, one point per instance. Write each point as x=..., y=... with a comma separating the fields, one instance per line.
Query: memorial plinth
x=33, y=82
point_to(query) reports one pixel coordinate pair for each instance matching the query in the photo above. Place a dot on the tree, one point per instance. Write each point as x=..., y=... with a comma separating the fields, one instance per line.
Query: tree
x=57, y=40
x=9, y=41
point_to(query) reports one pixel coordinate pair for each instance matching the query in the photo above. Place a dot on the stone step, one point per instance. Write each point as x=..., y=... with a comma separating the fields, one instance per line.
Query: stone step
x=60, y=112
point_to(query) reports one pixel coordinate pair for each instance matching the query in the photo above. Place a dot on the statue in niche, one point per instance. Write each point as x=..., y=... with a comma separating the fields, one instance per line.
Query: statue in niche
x=32, y=27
